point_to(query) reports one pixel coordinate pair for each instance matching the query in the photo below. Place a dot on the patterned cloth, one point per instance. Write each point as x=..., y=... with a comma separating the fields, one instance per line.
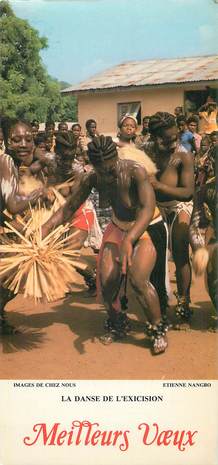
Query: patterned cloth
x=175, y=207
x=85, y=219
x=103, y=214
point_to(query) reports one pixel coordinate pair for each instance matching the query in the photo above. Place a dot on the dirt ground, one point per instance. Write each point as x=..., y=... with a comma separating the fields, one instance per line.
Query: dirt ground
x=60, y=341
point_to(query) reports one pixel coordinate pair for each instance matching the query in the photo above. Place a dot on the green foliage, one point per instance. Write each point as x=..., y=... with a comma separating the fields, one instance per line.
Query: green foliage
x=5, y=9
x=69, y=108
x=27, y=91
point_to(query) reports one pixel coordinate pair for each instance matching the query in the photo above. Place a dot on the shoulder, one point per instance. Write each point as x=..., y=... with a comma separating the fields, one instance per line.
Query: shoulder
x=136, y=170
x=190, y=134
x=5, y=158
x=6, y=161
x=127, y=163
x=186, y=158
x=186, y=136
x=197, y=136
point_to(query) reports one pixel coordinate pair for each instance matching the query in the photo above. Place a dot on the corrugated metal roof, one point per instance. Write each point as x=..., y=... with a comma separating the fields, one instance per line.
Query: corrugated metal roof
x=152, y=72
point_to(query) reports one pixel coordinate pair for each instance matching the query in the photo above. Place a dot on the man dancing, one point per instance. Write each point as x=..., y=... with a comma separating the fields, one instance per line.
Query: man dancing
x=174, y=187
x=132, y=241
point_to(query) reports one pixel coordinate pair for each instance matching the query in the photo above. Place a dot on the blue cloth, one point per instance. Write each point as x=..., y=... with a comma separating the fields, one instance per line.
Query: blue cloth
x=186, y=139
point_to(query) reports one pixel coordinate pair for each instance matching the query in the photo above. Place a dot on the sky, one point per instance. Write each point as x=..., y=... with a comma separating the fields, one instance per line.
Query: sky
x=86, y=37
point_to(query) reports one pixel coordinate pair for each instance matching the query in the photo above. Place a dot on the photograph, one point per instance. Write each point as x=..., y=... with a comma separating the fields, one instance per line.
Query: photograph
x=108, y=231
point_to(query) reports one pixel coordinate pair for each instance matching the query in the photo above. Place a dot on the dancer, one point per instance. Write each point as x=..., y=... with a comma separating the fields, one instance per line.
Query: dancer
x=131, y=242
x=174, y=187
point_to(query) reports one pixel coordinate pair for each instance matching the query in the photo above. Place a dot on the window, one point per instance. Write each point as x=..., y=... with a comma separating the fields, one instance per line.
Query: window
x=134, y=108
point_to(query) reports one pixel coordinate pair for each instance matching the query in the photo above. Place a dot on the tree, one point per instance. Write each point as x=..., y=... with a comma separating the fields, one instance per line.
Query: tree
x=5, y=9
x=68, y=108
x=27, y=91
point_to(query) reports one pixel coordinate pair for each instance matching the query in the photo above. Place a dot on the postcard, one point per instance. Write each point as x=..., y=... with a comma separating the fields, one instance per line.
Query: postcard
x=79, y=383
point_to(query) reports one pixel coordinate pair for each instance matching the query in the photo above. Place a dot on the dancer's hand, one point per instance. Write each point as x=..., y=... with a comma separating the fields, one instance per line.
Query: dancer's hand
x=36, y=194
x=126, y=252
x=41, y=193
x=50, y=196
x=154, y=182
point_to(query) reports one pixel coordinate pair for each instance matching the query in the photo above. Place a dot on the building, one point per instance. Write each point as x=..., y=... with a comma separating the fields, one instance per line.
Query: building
x=144, y=87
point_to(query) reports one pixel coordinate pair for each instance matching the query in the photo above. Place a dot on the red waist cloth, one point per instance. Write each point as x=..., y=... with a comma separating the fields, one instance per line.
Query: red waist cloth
x=83, y=218
x=114, y=235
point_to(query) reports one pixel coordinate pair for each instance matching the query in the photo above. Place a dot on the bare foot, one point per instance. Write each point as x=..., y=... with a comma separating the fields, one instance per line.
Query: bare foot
x=182, y=326
x=183, y=321
x=108, y=338
x=112, y=336
x=184, y=314
x=159, y=345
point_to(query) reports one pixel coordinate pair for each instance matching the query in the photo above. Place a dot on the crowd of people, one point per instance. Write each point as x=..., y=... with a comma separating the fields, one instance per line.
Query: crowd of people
x=130, y=198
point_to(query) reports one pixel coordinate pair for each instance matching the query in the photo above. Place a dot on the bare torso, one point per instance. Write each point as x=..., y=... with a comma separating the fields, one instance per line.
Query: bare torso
x=122, y=193
x=169, y=172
